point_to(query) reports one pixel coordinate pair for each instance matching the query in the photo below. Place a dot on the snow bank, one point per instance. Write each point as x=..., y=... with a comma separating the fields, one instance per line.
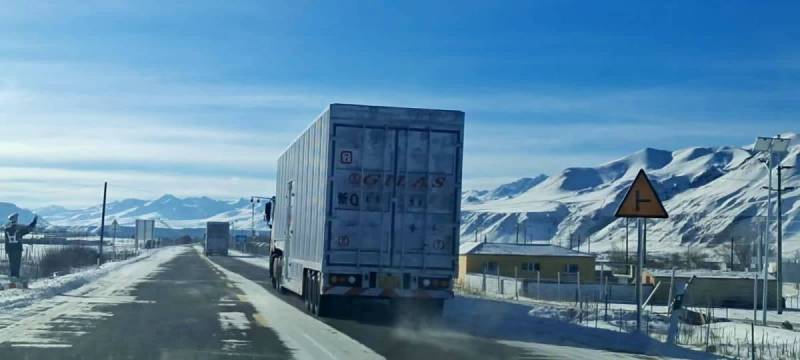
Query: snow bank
x=517, y=322
x=47, y=288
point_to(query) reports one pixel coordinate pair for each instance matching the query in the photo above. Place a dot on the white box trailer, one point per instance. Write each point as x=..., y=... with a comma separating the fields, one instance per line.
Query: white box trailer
x=368, y=205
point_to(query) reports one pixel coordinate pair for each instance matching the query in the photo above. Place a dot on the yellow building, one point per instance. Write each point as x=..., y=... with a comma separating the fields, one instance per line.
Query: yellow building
x=550, y=261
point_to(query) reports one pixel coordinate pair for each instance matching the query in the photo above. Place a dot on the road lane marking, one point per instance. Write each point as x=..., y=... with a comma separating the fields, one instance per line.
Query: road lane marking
x=260, y=320
x=234, y=321
x=319, y=346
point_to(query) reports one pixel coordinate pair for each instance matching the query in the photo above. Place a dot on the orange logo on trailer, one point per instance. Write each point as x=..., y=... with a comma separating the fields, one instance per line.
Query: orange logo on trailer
x=641, y=201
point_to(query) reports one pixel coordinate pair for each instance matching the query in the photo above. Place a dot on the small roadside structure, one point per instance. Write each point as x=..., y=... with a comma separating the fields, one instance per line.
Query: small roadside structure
x=732, y=289
x=525, y=261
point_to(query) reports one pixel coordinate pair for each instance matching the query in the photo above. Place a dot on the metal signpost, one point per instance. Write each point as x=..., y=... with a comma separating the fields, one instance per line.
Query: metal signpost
x=641, y=202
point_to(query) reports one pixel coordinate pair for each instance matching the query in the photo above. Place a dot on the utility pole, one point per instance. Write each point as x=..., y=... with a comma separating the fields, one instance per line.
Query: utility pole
x=525, y=231
x=780, y=237
x=765, y=252
x=102, y=225
x=517, y=239
x=589, y=242
x=252, y=219
x=772, y=147
x=731, y=267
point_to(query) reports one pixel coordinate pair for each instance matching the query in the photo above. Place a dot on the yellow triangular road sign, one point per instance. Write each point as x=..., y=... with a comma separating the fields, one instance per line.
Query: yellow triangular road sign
x=641, y=201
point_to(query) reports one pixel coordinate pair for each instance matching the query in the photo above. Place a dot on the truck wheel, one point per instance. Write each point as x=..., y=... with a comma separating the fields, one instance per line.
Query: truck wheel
x=272, y=267
x=318, y=301
x=307, y=290
x=277, y=274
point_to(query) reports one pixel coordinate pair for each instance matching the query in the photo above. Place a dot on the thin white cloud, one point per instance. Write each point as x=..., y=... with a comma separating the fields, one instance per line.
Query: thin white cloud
x=65, y=117
x=35, y=187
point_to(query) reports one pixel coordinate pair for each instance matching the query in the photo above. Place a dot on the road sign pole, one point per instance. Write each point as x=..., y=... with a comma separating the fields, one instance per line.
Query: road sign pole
x=640, y=260
x=640, y=202
x=627, y=254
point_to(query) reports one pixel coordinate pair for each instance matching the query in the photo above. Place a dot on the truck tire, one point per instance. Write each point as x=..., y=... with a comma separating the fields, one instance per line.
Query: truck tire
x=318, y=301
x=307, y=290
x=277, y=274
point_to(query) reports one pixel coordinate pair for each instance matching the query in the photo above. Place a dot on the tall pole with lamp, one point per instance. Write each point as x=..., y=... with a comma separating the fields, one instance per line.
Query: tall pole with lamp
x=772, y=147
x=780, y=191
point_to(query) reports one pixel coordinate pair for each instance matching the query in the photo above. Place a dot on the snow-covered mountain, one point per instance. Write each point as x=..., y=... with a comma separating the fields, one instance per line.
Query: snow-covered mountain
x=190, y=212
x=712, y=194
x=505, y=191
x=25, y=216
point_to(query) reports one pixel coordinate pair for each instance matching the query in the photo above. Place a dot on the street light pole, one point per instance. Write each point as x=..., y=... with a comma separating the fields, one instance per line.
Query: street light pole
x=772, y=146
x=252, y=219
x=780, y=238
x=765, y=252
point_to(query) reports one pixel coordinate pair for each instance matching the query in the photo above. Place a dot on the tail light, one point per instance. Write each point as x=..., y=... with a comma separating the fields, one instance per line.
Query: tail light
x=351, y=280
x=433, y=283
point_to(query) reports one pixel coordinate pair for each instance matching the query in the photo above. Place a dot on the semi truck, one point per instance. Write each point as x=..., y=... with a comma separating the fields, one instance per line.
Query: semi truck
x=367, y=206
x=218, y=237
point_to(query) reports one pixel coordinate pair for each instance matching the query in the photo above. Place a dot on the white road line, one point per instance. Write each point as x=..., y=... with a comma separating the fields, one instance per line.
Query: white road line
x=319, y=346
x=308, y=337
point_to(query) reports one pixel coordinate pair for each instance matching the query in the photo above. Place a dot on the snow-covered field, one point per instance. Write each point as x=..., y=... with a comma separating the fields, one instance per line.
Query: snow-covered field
x=728, y=335
x=527, y=324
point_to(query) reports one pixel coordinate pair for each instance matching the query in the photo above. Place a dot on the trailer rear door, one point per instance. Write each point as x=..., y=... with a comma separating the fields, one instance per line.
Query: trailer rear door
x=394, y=197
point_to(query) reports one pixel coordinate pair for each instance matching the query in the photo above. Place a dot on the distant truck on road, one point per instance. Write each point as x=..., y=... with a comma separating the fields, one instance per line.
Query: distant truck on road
x=367, y=205
x=218, y=237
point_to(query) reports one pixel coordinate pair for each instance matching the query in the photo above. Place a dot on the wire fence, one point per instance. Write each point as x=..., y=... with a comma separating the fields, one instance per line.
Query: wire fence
x=54, y=256
x=610, y=306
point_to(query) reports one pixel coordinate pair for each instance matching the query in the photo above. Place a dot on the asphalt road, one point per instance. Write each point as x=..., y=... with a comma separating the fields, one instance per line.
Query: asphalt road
x=189, y=308
x=394, y=339
x=185, y=311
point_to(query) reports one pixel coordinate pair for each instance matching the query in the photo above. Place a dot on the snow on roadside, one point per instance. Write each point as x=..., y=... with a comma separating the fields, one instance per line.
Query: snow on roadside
x=728, y=335
x=49, y=287
x=34, y=318
x=514, y=323
x=257, y=260
x=46, y=288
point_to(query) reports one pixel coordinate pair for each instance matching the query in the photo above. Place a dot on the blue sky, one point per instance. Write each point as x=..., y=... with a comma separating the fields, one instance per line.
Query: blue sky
x=199, y=98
